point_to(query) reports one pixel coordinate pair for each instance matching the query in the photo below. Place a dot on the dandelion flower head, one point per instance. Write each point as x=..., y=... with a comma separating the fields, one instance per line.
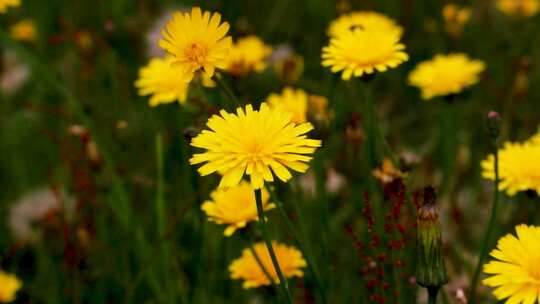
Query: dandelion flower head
x=364, y=51
x=519, y=167
x=515, y=271
x=260, y=144
x=234, y=206
x=197, y=40
x=446, y=75
x=248, y=54
x=162, y=79
x=247, y=268
x=362, y=20
x=518, y=8
x=5, y=4
x=9, y=285
x=24, y=30
x=291, y=100
x=455, y=18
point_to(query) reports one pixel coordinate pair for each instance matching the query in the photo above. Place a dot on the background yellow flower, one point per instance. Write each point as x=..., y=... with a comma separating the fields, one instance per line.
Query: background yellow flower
x=24, y=30
x=455, y=18
x=247, y=268
x=257, y=143
x=5, y=4
x=516, y=268
x=248, y=54
x=360, y=52
x=234, y=206
x=291, y=100
x=9, y=285
x=362, y=20
x=163, y=80
x=445, y=75
x=518, y=8
x=519, y=167
x=197, y=41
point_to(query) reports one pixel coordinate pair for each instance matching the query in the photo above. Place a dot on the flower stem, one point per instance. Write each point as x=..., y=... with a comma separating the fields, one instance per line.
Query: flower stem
x=225, y=88
x=299, y=242
x=282, y=280
x=258, y=259
x=489, y=232
x=432, y=294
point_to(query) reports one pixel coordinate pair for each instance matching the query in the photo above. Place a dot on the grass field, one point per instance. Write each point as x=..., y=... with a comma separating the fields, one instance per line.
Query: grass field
x=99, y=202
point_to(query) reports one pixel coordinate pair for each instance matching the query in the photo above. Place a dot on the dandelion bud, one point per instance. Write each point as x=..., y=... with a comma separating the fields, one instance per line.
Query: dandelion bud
x=494, y=124
x=430, y=269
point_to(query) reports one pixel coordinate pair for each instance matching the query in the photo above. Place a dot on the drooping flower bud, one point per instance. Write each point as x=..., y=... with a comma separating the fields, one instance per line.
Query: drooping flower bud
x=430, y=269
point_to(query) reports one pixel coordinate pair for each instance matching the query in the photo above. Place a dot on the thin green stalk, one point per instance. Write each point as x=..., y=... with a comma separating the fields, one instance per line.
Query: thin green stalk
x=373, y=129
x=282, y=280
x=225, y=88
x=432, y=294
x=299, y=241
x=160, y=205
x=258, y=259
x=489, y=232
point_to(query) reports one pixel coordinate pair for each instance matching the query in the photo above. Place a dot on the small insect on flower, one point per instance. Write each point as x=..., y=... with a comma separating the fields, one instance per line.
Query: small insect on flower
x=247, y=267
x=234, y=206
x=364, y=51
x=197, y=40
x=5, y=4
x=248, y=54
x=445, y=75
x=163, y=80
x=515, y=272
x=256, y=143
x=518, y=8
x=9, y=285
x=362, y=20
x=24, y=30
x=519, y=167
x=291, y=100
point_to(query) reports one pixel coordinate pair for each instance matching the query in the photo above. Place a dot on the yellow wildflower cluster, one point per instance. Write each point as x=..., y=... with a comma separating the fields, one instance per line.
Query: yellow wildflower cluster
x=518, y=8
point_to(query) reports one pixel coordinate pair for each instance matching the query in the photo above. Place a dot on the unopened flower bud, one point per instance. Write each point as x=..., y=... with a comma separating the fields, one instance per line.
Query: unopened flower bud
x=430, y=269
x=494, y=124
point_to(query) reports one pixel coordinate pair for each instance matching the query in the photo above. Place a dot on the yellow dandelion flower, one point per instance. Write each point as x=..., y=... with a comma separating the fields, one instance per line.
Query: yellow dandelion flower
x=516, y=268
x=363, y=51
x=519, y=167
x=291, y=100
x=5, y=4
x=234, y=206
x=163, y=80
x=247, y=268
x=9, y=285
x=255, y=143
x=387, y=172
x=197, y=41
x=248, y=54
x=445, y=75
x=363, y=20
x=455, y=18
x=318, y=107
x=24, y=30
x=518, y=8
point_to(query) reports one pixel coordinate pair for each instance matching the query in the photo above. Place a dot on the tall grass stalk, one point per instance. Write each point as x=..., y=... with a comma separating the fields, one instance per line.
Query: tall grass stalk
x=491, y=226
x=282, y=280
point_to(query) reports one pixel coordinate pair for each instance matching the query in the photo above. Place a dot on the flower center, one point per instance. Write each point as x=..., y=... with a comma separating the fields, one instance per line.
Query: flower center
x=196, y=55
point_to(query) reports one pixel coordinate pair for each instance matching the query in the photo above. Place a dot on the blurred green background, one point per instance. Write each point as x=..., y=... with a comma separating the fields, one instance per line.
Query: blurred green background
x=104, y=247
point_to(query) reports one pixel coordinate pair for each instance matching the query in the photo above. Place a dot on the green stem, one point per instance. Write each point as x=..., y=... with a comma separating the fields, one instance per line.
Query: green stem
x=225, y=88
x=258, y=259
x=160, y=208
x=432, y=294
x=299, y=242
x=282, y=280
x=489, y=232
